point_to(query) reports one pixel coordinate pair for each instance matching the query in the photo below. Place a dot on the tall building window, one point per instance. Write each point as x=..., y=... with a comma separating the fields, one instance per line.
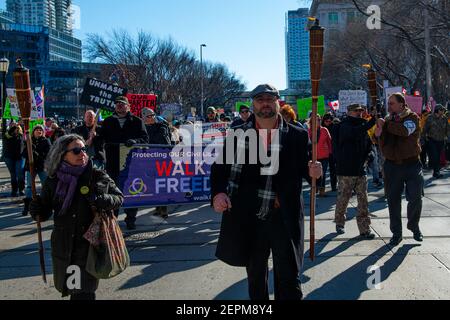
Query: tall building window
x=333, y=18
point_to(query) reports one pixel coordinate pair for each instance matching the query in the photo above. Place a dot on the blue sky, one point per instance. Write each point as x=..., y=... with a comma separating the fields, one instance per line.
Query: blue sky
x=246, y=35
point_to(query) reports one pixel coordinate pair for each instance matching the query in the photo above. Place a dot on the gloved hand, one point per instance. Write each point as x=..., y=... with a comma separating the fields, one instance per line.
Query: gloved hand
x=130, y=143
x=101, y=202
x=36, y=208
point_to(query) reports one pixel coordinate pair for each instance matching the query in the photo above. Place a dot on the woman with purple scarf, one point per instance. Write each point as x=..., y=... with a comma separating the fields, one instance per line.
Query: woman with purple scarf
x=72, y=188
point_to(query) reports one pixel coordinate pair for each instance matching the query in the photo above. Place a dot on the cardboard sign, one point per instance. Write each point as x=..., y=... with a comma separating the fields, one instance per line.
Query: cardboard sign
x=141, y=101
x=349, y=97
x=415, y=103
x=305, y=107
x=14, y=105
x=173, y=108
x=101, y=95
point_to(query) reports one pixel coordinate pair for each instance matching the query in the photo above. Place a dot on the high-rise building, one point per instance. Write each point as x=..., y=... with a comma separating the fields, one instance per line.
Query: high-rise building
x=54, y=14
x=336, y=15
x=6, y=17
x=297, y=50
x=63, y=16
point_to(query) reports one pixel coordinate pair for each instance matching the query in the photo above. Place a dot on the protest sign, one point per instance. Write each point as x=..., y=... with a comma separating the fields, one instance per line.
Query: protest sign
x=141, y=101
x=173, y=108
x=149, y=178
x=414, y=103
x=204, y=133
x=101, y=95
x=14, y=105
x=349, y=97
x=305, y=107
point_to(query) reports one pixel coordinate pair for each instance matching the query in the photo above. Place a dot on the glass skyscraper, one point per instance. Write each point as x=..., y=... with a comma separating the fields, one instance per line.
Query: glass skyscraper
x=297, y=50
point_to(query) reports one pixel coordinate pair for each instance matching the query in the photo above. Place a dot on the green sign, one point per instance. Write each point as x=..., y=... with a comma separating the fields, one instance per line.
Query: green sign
x=105, y=114
x=241, y=104
x=7, y=112
x=305, y=107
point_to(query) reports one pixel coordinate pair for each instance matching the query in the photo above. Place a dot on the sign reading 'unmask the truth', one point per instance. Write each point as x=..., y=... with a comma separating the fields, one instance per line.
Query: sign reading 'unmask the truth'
x=101, y=95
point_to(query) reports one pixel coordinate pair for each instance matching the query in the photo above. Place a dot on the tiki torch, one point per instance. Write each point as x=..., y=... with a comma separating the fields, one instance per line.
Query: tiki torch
x=372, y=80
x=316, y=60
x=23, y=92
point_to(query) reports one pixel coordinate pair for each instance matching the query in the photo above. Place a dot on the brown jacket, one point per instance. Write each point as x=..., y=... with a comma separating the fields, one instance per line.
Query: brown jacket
x=400, y=138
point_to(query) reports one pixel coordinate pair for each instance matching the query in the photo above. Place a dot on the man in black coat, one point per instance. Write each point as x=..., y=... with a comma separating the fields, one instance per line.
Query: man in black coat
x=122, y=128
x=96, y=149
x=263, y=208
x=352, y=146
x=244, y=114
x=158, y=132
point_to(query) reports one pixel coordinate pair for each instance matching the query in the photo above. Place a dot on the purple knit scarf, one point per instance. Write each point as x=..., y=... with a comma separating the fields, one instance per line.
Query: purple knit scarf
x=67, y=182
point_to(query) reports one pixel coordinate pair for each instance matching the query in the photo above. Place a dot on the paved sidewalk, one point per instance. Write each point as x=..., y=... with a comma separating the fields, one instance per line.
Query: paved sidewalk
x=174, y=259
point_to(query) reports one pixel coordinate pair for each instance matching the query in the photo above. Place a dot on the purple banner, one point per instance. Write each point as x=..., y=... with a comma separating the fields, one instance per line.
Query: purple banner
x=150, y=178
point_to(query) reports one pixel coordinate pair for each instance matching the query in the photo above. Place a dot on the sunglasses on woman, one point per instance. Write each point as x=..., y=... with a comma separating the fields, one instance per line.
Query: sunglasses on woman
x=77, y=151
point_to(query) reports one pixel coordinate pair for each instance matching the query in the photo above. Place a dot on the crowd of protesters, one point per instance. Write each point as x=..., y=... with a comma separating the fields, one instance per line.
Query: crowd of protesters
x=349, y=147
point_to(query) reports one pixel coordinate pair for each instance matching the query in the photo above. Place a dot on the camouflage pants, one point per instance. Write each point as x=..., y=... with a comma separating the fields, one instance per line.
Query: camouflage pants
x=345, y=190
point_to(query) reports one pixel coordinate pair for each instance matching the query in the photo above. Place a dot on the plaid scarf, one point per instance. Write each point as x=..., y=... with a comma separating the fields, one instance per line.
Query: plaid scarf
x=266, y=196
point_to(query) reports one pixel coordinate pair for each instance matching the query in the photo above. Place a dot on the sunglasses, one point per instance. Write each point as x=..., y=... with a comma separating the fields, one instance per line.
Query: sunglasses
x=77, y=151
x=150, y=116
x=245, y=111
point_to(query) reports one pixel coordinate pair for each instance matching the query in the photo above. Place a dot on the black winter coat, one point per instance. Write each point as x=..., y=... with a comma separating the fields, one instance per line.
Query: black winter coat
x=67, y=242
x=112, y=135
x=41, y=148
x=13, y=146
x=238, y=225
x=352, y=146
x=159, y=133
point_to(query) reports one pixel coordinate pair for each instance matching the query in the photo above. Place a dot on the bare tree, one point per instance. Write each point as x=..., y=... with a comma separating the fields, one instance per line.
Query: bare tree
x=147, y=64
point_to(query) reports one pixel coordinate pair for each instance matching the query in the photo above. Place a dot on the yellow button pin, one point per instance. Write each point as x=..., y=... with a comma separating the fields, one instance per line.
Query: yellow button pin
x=84, y=190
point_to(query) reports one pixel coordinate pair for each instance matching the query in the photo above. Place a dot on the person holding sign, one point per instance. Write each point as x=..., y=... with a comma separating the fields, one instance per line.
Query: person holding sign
x=262, y=206
x=351, y=148
x=400, y=144
x=122, y=128
x=96, y=149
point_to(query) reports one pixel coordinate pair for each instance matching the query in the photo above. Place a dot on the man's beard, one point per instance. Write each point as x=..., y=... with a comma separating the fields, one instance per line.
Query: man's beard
x=265, y=114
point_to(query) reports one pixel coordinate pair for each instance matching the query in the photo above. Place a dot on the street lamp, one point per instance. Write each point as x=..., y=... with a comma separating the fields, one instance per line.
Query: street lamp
x=4, y=67
x=201, y=76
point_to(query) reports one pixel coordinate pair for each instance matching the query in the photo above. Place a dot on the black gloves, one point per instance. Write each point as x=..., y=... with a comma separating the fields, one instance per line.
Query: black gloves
x=130, y=143
x=36, y=208
x=102, y=202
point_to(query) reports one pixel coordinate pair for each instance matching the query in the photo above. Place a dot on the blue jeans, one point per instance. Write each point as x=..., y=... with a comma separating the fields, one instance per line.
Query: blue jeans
x=15, y=168
x=42, y=176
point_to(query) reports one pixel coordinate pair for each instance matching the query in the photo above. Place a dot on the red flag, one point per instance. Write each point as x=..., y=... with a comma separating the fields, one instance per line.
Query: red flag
x=334, y=105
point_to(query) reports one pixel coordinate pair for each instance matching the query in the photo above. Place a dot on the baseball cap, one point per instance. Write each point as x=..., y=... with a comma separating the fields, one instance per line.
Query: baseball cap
x=122, y=99
x=211, y=110
x=356, y=107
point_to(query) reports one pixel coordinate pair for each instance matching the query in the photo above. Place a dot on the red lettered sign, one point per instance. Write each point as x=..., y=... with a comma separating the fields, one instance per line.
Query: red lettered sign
x=141, y=101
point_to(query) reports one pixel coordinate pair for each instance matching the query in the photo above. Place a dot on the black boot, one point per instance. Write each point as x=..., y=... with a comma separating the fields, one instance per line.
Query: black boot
x=26, y=208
